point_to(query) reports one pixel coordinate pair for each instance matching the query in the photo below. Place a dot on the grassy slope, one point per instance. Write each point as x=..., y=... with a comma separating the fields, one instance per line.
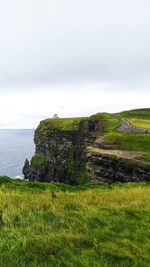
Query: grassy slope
x=138, y=117
x=137, y=113
x=83, y=226
x=124, y=140
x=139, y=123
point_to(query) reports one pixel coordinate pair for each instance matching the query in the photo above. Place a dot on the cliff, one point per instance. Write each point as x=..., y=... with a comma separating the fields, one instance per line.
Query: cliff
x=77, y=150
x=117, y=165
x=61, y=150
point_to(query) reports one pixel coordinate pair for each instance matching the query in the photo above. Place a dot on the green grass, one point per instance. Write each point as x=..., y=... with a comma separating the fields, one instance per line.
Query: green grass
x=125, y=140
x=137, y=113
x=137, y=117
x=88, y=225
x=130, y=141
x=63, y=124
x=142, y=123
x=110, y=122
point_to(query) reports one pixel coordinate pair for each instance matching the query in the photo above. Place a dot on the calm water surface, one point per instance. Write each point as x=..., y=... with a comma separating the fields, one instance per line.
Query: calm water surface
x=15, y=147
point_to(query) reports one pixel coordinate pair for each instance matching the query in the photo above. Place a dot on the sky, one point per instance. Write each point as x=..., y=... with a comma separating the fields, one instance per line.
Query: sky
x=73, y=58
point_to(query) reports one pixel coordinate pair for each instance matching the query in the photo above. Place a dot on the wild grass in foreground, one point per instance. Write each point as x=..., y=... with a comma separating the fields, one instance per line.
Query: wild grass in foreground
x=59, y=225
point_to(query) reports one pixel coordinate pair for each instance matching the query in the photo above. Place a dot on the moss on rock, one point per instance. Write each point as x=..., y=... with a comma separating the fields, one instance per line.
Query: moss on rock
x=38, y=160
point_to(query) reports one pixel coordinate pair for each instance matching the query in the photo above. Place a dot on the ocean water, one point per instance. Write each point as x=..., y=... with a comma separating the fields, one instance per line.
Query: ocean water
x=15, y=147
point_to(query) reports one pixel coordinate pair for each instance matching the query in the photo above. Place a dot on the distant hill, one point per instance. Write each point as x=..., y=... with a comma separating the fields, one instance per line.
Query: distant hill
x=138, y=117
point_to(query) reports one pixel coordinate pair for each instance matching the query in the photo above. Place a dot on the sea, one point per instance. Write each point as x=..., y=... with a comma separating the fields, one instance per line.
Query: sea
x=15, y=147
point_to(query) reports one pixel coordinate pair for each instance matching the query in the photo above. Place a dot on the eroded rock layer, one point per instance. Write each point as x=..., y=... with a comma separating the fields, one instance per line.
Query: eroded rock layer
x=116, y=165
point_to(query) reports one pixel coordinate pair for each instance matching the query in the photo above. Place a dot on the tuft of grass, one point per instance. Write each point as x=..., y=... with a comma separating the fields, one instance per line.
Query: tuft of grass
x=88, y=225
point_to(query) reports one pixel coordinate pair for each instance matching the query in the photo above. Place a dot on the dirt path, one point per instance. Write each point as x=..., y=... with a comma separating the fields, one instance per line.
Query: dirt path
x=126, y=127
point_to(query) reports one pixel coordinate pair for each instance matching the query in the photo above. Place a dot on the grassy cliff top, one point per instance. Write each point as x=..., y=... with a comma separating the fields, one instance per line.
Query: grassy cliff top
x=73, y=124
x=123, y=140
x=63, y=124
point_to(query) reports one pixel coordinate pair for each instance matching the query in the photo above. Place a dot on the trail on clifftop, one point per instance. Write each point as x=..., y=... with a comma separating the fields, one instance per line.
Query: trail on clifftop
x=127, y=127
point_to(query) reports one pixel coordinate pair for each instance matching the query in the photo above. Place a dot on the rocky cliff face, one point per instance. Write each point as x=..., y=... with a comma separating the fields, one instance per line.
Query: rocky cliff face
x=116, y=165
x=75, y=150
x=61, y=150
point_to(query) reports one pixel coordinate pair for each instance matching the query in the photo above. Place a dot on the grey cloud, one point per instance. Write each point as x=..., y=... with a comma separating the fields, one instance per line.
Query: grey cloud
x=67, y=41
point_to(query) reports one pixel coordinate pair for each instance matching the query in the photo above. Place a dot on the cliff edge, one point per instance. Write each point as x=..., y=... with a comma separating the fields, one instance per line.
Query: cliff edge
x=78, y=150
x=60, y=154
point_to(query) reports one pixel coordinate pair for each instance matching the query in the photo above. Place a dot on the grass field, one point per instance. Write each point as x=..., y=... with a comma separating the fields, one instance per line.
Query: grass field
x=59, y=225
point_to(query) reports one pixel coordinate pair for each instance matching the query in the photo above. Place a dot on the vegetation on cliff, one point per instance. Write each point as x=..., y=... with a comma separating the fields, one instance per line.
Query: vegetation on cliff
x=138, y=117
x=61, y=225
x=63, y=124
x=125, y=140
x=38, y=160
x=61, y=144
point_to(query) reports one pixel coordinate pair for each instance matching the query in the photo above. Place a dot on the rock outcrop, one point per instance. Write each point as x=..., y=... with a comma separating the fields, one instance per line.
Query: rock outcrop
x=61, y=150
x=116, y=165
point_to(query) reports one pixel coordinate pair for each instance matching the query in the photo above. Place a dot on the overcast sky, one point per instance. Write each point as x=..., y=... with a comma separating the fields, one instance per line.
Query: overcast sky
x=72, y=57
